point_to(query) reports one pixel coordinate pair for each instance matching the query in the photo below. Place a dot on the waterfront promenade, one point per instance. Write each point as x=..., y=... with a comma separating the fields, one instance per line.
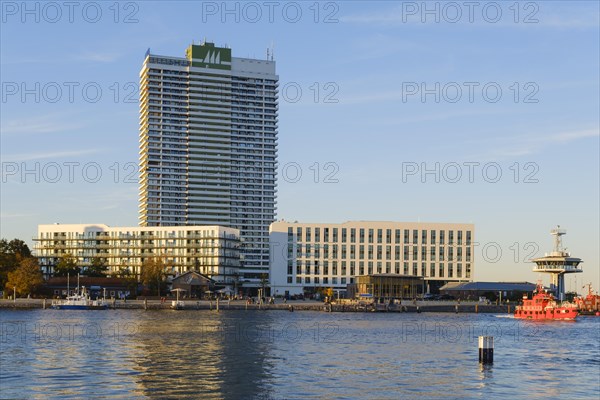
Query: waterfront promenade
x=294, y=305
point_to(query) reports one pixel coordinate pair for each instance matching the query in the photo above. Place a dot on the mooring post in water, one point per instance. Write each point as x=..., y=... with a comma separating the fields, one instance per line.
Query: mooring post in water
x=145, y=304
x=486, y=349
x=476, y=308
x=456, y=309
x=217, y=304
x=44, y=303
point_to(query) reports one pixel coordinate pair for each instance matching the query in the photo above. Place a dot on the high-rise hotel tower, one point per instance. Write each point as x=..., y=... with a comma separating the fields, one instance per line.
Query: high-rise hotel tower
x=208, y=146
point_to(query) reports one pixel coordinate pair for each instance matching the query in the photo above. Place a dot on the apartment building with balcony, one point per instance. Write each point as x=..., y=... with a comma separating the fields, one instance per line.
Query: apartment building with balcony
x=210, y=250
x=208, y=146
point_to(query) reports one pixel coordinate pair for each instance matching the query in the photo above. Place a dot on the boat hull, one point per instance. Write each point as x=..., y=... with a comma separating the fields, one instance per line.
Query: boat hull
x=79, y=307
x=564, y=314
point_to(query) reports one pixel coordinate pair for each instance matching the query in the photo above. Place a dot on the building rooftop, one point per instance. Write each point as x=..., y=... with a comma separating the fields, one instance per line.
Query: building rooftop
x=491, y=286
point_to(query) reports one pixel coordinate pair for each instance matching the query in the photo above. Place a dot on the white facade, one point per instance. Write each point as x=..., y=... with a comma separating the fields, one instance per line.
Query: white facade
x=307, y=256
x=210, y=250
x=208, y=146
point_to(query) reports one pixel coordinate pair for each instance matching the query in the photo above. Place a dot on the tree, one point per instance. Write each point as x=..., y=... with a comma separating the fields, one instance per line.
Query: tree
x=264, y=281
x=26, y=278
x=236, y=280
x=153, y=274
x=98, y=268
x=67, y=265
x=11, y=254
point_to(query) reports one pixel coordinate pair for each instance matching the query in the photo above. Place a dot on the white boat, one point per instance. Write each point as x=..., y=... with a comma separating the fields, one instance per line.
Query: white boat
x=79, y=301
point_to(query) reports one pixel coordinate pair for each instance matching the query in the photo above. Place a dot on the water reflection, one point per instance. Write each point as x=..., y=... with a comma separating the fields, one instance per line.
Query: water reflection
x=204, y=354
x=264, y=355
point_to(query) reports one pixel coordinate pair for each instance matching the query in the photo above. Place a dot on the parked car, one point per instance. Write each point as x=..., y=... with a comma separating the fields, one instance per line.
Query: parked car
x=430, y=296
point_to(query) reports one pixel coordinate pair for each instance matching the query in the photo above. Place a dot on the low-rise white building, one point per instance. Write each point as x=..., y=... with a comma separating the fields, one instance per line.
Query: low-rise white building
x=308, y=256
x=210, y=250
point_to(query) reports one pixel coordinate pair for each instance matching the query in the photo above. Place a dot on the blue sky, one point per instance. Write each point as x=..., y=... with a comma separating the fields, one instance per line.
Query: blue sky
x=367, y=119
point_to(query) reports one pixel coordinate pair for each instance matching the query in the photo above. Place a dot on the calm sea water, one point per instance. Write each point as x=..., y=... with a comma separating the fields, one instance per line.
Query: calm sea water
x=301, y=355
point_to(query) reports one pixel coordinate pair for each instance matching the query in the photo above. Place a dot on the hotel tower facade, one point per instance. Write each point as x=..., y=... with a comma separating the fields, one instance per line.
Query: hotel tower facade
x=208, y=146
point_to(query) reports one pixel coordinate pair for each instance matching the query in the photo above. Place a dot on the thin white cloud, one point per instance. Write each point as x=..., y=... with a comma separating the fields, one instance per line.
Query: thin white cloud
x=518, y=146
x=46, y=155
x=98, y=57
x=50, y=123
x=414, y=14
x=15, y=215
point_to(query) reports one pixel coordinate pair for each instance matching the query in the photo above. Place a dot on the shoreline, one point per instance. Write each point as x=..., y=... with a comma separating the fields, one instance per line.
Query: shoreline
x=296, y=305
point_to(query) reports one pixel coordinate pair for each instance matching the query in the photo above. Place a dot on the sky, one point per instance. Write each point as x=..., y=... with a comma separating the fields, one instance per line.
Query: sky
x=475, y=112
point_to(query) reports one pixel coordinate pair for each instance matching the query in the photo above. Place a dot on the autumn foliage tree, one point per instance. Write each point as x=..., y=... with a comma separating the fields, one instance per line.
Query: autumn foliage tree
x=67, y=265
x=153, y=274
x=26, y=278
x=11, y=254
x=98, y=268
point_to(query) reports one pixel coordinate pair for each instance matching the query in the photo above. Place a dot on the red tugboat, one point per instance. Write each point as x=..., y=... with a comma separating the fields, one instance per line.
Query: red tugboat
x=543, y=306
x=590, y=304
